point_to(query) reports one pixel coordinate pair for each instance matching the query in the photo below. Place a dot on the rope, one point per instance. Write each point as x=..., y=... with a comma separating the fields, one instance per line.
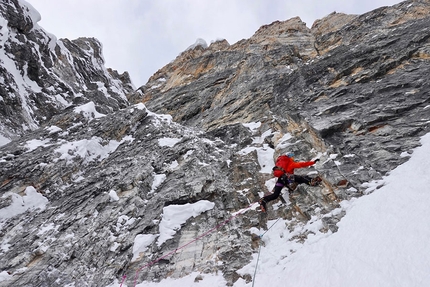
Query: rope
x=185, y=245
x=259, y=249
x=258, y=258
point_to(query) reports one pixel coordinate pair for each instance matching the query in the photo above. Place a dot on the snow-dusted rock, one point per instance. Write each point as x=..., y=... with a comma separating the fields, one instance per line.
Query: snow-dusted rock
x=41, y=75
x=93, y=174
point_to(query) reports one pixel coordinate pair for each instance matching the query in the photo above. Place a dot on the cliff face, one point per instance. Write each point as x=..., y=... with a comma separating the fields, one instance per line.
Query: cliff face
x=42, y=75
x=355, y=83
x=95, y=171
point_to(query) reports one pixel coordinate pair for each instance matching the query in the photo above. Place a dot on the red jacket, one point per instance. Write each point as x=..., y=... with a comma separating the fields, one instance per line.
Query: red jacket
x=286, y=164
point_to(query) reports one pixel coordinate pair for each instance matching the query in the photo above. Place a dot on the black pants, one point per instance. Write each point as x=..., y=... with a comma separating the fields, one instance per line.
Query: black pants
x=283, y=181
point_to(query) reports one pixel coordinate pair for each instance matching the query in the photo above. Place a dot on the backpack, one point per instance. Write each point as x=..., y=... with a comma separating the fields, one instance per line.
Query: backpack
x=281, y=161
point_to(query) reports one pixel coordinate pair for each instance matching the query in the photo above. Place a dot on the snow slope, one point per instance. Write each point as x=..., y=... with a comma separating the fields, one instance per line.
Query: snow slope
x=382, y=241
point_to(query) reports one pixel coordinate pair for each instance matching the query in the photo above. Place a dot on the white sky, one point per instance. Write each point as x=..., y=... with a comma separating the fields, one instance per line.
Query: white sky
x=141, y=36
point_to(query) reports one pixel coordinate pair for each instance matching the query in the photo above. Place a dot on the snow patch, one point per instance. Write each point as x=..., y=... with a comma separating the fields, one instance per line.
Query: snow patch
x=260, y=139
x=30, y=11
x=158, y=180
x=53, y=129
x=32, y=200
x=89, y=150
x=175, y=215
x=253, y=126
x=170, y=142
x=4, y=276
x=141, y=243
x=34, y=144
x=113, y=196
x=264, y=154
x=89, y=111
x=4, y=140
x=199, y=42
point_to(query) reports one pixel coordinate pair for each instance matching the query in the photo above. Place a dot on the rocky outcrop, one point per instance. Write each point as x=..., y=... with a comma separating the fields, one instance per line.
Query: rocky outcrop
x=43, y=75
x=127, y=155
x=350, y=80
x=93, y=177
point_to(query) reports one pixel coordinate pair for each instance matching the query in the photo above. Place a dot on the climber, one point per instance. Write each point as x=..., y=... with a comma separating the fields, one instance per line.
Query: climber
x=284, y=171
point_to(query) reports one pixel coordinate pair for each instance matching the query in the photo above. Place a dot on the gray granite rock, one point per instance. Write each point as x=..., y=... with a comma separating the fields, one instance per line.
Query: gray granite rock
x=351, y=91
x=43, y=75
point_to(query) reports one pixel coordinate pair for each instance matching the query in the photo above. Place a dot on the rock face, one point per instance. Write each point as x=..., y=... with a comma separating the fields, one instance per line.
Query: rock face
x=42, y=75
x=354, y=83
x=98, y=164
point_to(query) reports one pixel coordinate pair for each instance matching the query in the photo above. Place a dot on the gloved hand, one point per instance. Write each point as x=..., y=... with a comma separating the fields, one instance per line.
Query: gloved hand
x=317, y=160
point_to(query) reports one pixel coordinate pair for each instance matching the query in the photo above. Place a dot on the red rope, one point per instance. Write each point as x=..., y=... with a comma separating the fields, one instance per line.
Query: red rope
x=185, y=245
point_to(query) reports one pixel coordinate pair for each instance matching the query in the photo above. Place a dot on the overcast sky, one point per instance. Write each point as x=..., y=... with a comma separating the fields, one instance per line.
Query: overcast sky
x=141, y=36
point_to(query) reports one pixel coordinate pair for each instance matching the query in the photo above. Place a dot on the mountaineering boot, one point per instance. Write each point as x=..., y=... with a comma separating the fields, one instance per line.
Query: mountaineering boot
x=315, y=181
x=262, y=203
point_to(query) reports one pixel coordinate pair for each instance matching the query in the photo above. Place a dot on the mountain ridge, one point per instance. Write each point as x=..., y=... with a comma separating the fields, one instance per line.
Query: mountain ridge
x=105, y=159
x=43, y=75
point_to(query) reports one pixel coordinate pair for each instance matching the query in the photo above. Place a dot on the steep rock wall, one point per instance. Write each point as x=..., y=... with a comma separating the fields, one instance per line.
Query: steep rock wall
x=352, y=83
x=42, y=75
x=351, y=91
